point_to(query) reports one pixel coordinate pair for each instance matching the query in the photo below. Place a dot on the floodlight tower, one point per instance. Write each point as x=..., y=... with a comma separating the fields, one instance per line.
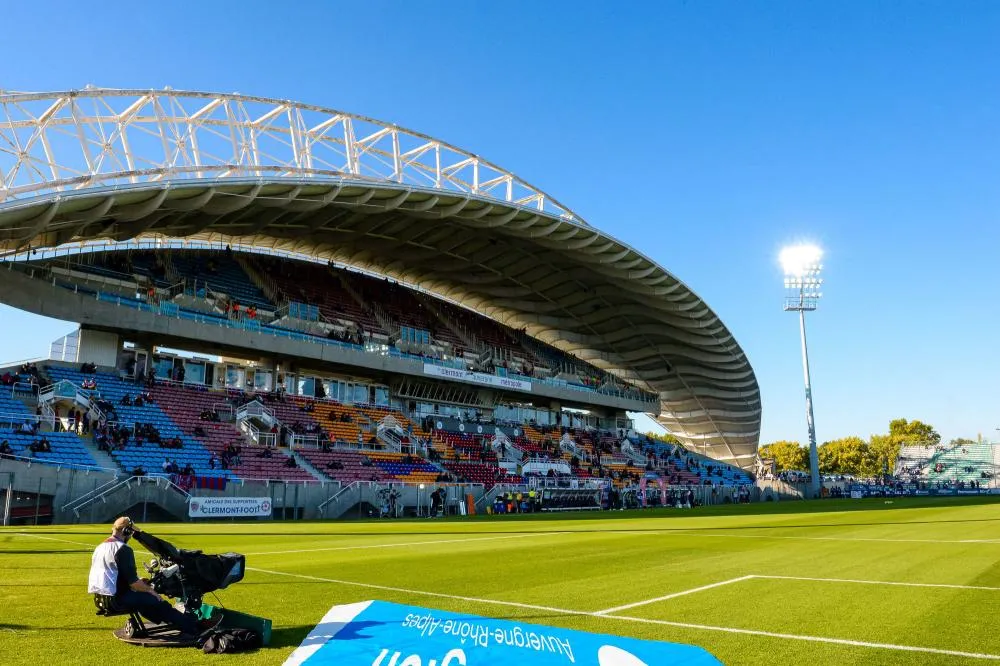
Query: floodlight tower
x=802, y=267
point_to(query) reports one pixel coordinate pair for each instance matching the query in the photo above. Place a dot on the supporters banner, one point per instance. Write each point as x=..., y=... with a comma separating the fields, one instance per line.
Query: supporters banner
x=385, y=634
x=229, y=507
x=476, y=377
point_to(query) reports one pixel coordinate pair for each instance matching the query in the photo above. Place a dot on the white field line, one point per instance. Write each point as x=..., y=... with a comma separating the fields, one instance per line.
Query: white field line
x=665, y=597
x=669, y=533
x=810, y=639
x=389, y=588
x=682, y=532
x=623, y=618
x=882, y=582
x=48, y=538
x=403, y=544
x=336, y=548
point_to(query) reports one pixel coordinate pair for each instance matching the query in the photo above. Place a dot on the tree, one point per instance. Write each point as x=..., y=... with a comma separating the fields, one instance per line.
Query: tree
x=883, y=451
x=666, y=438
x=843, y=456
x=786, y=455
x=913, y=432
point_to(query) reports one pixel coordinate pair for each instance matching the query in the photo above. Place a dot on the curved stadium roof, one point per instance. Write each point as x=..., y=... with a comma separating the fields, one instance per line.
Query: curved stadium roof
x=130, y=164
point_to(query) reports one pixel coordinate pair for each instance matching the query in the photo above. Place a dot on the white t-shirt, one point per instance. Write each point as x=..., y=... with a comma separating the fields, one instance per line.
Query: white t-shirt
x=104, y=568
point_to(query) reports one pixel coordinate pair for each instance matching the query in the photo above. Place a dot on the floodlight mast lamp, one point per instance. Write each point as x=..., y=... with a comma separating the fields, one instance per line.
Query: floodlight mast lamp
x=802, y=267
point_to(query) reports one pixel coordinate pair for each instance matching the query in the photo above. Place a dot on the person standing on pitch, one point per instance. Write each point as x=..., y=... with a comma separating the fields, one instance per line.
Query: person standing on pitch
x=113, y=574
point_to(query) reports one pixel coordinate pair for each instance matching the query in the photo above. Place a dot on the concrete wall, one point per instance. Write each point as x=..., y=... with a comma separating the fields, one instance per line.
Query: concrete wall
x=100, y=347
x=61, y=484
x=300, y=499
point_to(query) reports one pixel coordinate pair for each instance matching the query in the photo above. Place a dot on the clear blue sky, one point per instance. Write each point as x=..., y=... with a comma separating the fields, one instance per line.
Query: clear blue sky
x=708, y=134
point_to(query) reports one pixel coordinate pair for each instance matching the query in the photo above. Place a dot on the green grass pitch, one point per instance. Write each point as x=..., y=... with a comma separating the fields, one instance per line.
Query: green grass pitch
x=801, y=582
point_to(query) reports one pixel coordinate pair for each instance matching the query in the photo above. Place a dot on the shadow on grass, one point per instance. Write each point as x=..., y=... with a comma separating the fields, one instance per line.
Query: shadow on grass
x=282, y=637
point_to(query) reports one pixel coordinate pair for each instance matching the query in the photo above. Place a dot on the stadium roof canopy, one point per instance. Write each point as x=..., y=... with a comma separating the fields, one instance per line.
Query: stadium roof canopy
x=134, y=164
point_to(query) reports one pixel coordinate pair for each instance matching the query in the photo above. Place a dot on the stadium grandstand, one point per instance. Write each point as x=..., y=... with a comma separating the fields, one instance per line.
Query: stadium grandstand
x=274, y=295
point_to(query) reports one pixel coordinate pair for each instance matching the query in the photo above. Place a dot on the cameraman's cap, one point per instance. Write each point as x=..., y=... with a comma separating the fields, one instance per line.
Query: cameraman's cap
x=121, y=524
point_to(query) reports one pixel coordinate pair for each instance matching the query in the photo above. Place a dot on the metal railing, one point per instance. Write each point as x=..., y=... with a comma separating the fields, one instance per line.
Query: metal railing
x=224, y=409
x=67, y=390
x=301, y=441
x=130, y=484
x=569, y=446
x=74, y=504
x=634, y=457
x=14, y=420
x=505, y=449
x=258, y=327
x=339, y=496
x=256, y=436
x=256, y=409
x=390, y=435
x=24, y=388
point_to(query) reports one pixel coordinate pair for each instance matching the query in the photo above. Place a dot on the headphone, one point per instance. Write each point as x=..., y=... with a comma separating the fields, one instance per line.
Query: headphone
x=128, y=530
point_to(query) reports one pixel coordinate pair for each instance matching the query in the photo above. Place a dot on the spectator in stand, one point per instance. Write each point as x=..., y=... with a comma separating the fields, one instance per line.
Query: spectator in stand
x=40, y=446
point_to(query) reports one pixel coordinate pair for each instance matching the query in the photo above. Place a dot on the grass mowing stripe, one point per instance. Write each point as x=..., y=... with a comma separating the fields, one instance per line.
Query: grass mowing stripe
x=625, y=618
x=881, y=582
x=811, y=639
x=807, y=538
x=672, y=596
x=48, y=538
x=406, y=543
x=389, y=588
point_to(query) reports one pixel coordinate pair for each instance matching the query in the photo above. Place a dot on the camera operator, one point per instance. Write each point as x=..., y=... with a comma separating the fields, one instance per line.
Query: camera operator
x=113, y=574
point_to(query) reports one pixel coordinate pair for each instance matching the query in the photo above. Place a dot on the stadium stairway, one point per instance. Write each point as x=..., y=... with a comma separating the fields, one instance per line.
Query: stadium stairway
x=307, y=466
x=184, y=405
x=103, y=459
x=66, y=448
x=112, y=388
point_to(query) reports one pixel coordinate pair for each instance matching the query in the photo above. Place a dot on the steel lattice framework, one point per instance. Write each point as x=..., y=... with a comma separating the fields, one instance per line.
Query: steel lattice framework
x=122, y=165
x=95, y=137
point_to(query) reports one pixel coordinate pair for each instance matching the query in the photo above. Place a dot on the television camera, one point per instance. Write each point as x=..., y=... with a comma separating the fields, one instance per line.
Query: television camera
x=187, y=576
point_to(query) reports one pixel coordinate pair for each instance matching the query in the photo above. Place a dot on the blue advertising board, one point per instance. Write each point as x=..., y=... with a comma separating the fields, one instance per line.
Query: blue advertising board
x=379, y=633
